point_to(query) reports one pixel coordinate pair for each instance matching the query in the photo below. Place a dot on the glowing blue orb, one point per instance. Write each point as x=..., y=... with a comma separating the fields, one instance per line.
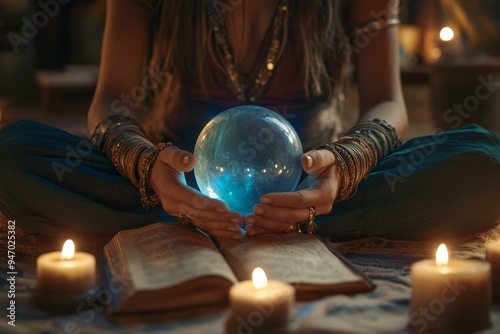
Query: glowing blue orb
x=245, y=152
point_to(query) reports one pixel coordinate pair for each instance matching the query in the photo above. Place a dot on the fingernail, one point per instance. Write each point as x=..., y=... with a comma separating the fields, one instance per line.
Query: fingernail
x=220, y=210
x=249, y=220
x=237, y=236
x=232, y=228
x=266, y=200
x=235, y=220
x=258, y=210
x=185, y=160
x=309, y=161
x=250, y=232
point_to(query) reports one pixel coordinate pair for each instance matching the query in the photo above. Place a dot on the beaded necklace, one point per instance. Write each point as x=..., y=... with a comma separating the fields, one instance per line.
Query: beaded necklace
x=274, y=51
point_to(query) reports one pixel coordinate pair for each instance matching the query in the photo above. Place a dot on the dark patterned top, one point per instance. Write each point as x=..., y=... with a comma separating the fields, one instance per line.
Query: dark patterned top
x=315, y=120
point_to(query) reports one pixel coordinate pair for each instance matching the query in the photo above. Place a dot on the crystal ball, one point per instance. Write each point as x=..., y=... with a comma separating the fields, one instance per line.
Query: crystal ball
x=245, y=152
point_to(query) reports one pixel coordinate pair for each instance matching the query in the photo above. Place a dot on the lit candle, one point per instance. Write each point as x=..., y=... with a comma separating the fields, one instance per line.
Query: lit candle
x=259, y=303
x=493, y=257
x=67, y=272
x=450, y=295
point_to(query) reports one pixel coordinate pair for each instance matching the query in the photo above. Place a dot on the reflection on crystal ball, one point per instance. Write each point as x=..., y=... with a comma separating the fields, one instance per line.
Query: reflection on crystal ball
x=245, y=152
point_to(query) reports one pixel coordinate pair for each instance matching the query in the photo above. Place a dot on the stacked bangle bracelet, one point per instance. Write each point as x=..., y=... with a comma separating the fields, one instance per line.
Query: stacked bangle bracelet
x=359, y=150
x=124, y=142
x=148, y=196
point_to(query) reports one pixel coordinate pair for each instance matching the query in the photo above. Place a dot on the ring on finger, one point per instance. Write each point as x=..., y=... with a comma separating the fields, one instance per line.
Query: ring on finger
x=293, y=228
x=308, y=227
x=184, y=221
x=311, y=225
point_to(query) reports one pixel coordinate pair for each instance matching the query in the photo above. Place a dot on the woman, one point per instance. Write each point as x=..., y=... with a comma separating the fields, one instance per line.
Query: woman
x=288, y=55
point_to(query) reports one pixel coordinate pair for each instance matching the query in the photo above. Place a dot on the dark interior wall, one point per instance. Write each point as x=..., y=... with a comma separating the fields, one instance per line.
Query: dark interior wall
x=46, y=35
x=73, y=36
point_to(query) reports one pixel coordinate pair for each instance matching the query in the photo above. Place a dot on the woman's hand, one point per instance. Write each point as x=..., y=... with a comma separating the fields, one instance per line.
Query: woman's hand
x=168, y=181
x=277, y=211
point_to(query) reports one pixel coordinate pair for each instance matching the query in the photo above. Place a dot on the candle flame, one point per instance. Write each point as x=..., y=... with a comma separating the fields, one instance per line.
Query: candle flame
x=442, y=256
x=68, y=250
x=446, y=34
x=259, y=278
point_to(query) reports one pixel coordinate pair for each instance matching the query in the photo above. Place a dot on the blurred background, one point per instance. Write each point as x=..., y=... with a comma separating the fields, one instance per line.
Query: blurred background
x=450, y=61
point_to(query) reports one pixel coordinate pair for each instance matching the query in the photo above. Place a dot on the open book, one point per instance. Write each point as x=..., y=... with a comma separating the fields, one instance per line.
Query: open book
x=163, y=267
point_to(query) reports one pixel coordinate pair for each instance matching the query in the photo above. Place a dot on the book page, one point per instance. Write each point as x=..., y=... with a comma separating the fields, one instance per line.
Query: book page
x=294, y=258
x=165, y=254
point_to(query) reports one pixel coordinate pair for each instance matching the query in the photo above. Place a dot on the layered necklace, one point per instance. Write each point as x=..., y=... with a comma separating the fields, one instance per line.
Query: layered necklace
x=274, y=50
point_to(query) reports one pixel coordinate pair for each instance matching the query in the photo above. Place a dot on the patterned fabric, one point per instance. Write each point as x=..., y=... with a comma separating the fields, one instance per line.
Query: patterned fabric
x=384, y=310
x=456, y=187
x=34, y=244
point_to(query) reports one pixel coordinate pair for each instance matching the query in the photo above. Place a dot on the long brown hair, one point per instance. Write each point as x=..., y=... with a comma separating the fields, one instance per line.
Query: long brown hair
x=181, y=33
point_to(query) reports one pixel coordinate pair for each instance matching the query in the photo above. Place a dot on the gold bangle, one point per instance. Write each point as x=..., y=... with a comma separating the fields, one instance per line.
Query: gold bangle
x=370, y=151
x=348, y=190
x=358, y=151
x=132, y=159
x=101, y=130
x=123, y=146
x=344, y=169
x=149, y=198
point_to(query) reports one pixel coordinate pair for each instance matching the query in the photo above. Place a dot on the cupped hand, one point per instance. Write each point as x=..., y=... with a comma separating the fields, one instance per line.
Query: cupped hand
x=277, y=211
x=168, y=181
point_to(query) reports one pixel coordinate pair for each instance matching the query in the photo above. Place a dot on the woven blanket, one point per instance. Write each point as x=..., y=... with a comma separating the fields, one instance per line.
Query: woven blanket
x=391, y=259
x=384, y=310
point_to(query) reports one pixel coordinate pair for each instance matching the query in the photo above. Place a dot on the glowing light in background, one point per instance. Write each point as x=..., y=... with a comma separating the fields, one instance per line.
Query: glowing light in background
x=436, y=53
x=446, y=34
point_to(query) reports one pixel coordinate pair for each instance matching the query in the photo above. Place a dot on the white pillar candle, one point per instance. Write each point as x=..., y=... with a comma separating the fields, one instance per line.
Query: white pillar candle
x=493, y=258
x=450, y=295
x=66, y=272
x=261, y=303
